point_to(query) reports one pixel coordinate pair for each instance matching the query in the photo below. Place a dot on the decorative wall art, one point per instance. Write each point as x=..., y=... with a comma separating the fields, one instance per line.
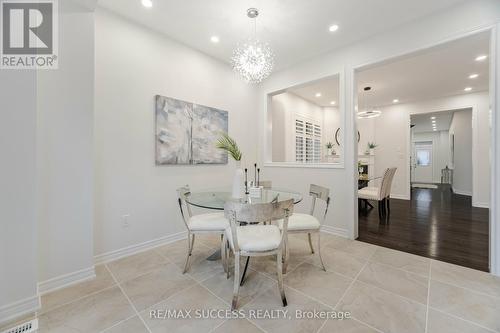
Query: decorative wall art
x=187, y=133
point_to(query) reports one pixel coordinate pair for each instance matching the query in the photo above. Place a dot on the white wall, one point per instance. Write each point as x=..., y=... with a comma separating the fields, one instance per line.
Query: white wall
x=18, y=260
x=461, y=129
x=393, y=131
x=133, y=64
x=366, y=128
x=279, y=122
x=392, y=135
x=46, y=180
x=495, y=125
x=434, y=29
x=331, y=120
x=65, y=152
x=440, y=151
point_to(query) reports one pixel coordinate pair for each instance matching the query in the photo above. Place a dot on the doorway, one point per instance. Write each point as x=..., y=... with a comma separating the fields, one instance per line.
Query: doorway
x=422, y=166
x=439, y=196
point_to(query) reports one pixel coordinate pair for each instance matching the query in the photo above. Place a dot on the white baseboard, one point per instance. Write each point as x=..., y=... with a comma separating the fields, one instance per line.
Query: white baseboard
x=136, y=248
x=400, y=196
x=460, y=192
x=65, y=280
x=334, y=231
x=20, y=308
x=481, y=204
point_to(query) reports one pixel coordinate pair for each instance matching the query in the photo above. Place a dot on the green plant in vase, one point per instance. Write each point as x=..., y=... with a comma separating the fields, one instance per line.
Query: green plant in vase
x=329, y=148
x=371, y=148
x=228, y=144
x=225, y=142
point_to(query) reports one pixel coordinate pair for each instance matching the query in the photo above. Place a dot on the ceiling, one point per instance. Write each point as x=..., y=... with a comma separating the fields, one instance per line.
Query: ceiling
x=423, y=122
x=328, y=88
x=296, y=29
x=437, y=72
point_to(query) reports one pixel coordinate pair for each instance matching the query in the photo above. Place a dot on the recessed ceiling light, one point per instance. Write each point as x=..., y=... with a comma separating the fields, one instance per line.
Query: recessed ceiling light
x=434, y=122
x=473, y=76
x=333, y=102
x=481, y=57
x=214, y=39
x=395, y=100
x=433, y=118
x=333, y=28
x=434, y=130
x=468, y=89
x=318, y=94
x=147, y=3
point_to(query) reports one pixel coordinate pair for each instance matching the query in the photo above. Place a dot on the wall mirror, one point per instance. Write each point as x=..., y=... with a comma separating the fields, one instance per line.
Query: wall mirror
x=306, y=124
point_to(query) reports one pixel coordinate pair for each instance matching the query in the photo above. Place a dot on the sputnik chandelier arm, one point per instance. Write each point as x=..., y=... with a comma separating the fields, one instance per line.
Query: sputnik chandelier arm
x=252, y=59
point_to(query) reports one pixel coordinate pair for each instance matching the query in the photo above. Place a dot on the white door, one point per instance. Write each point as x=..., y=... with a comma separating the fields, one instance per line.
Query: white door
x=422, y=159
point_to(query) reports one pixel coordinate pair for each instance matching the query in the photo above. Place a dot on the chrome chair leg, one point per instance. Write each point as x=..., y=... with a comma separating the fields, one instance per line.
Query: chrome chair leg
x=190, y=240
x=279, y=271
x=310, y=243
x=236, y=286
x=319, y=252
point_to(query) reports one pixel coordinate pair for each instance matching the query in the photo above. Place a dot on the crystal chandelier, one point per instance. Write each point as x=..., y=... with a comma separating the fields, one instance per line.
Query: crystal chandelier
x=252, y=59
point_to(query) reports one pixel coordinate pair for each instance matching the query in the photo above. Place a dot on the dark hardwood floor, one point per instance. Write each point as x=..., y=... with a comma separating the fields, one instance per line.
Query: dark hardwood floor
x=436, y=223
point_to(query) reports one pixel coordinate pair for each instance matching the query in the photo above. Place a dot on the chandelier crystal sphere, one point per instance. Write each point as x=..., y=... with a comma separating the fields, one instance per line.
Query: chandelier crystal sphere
x=253, y=60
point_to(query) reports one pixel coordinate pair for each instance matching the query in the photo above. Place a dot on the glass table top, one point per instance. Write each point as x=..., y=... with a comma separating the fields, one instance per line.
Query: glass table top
x=215, y=199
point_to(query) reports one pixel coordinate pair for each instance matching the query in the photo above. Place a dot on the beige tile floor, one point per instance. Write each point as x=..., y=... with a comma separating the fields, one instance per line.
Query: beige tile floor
x=384, y=290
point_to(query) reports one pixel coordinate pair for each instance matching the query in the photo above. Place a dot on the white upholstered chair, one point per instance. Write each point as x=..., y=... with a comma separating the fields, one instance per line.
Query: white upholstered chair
x=255, y=239
x=307, y=223
x=381, y=193
x=208, y=223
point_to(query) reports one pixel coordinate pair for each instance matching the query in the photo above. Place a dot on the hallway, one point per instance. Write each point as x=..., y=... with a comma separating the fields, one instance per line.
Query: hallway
x=436, y=224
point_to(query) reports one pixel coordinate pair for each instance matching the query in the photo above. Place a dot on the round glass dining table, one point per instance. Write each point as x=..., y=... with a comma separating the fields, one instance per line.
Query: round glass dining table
x=215, y=199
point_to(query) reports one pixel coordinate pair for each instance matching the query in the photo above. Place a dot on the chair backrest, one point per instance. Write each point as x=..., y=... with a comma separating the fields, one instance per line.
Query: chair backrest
x=266, y=183
x=182, y=194
x=389, y=183
x=321, y=193
x=385, y=186
x=263, y=212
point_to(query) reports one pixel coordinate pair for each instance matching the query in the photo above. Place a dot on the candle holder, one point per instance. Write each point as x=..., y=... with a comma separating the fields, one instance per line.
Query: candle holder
x=246, y=181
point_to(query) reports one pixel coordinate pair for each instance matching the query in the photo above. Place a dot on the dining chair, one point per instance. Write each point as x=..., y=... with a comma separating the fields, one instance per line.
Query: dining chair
x=208, y=223
x=266, y=185
x=307, y=223
x=381, y=193
x=388, y=190
x=255, y=240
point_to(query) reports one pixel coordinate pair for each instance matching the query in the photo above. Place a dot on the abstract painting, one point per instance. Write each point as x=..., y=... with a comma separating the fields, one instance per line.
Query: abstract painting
x=186, y=133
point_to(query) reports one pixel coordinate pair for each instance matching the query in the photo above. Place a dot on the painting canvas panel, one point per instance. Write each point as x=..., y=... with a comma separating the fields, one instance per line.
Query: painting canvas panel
x=186, y=133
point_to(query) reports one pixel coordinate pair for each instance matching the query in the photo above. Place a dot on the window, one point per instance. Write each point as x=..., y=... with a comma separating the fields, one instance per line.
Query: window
x=307, y=141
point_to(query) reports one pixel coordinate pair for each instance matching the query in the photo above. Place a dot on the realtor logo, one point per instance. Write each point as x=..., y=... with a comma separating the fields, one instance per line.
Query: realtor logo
x=29, y=34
